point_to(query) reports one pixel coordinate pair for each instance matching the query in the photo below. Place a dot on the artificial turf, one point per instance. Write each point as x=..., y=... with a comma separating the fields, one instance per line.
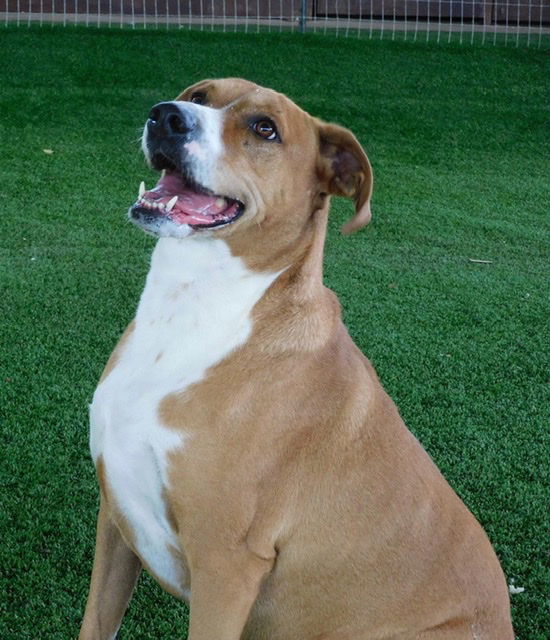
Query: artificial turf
x=458, y=137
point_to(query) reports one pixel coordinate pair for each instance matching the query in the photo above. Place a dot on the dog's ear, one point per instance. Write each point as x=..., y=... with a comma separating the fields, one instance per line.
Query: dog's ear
x=345, y=170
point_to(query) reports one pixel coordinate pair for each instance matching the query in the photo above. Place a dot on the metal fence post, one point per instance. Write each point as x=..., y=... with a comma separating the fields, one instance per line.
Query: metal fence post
x=303, y=16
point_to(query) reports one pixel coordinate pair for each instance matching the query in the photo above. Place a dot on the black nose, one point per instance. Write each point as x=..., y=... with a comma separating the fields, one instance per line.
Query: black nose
x=168, y=119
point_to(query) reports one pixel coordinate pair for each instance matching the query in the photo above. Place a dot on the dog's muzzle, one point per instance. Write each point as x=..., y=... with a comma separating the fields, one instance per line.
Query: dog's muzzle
x=173, y=142
x=168, y=129
x=167, y=119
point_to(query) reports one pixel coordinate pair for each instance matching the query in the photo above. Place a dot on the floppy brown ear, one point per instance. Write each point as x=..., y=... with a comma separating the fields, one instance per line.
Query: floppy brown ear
x=346, y=171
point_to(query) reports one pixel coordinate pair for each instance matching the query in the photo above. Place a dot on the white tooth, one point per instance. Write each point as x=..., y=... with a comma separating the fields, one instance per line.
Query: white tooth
x=170, y=204
x=142, y=188
x=220, y=202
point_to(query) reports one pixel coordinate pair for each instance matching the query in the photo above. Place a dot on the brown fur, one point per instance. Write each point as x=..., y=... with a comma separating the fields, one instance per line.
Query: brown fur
x=305, y=508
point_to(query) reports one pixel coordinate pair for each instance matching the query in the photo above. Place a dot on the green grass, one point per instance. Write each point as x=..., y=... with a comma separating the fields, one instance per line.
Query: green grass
x=458, y=137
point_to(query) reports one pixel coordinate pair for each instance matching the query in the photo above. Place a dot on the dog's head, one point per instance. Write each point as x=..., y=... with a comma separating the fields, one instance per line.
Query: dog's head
x=236, y=157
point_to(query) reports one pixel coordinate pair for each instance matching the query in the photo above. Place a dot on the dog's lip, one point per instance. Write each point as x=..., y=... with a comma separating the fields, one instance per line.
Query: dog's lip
x=184, y=202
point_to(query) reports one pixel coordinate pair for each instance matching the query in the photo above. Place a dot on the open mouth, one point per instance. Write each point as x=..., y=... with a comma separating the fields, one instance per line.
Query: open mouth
x=176, y=199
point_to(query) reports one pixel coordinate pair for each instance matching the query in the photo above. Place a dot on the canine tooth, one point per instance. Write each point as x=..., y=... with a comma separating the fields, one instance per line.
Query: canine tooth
x=170, y=204
x=142, y=188
x=220, y=202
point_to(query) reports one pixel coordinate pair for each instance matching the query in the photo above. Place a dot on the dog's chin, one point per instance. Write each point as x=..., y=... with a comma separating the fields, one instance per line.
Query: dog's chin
x=175, y=207
x=158, y=225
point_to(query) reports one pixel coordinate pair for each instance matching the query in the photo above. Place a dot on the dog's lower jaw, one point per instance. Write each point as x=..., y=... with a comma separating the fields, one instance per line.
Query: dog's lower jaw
x=157, y=226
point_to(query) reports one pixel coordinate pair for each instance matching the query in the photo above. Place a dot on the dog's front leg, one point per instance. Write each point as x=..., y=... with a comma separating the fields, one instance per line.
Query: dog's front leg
x=224, y=587
x=114, y=575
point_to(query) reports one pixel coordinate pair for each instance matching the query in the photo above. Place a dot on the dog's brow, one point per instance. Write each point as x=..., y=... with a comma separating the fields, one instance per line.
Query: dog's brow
x=233, y=102
x=236, y=100
x=258, y=106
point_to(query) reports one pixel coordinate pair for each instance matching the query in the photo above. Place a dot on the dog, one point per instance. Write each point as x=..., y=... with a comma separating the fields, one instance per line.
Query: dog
x=247, y=454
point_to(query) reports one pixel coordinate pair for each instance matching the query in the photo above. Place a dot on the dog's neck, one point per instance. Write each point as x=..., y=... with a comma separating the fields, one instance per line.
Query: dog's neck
x=298, y=313
x=200, y=280
x=200, y=269
x=191, y=259
x=206, y=258
x=282, y=240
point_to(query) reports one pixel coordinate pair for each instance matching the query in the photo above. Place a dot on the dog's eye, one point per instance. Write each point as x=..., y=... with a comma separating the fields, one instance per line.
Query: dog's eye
x=199, y=97
x=265, y=129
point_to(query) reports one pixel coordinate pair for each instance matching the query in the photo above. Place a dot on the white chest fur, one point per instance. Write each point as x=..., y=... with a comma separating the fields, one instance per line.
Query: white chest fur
x=195, y=309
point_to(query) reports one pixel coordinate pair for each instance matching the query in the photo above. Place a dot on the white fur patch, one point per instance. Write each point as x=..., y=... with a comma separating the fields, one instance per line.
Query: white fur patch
x=195, y=309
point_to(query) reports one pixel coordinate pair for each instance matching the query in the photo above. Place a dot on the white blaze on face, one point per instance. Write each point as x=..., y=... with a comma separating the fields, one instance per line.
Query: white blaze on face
x=203, y=153
x=194, y=148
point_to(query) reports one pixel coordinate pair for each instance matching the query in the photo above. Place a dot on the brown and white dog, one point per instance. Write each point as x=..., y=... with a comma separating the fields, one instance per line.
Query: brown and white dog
x=247, y=454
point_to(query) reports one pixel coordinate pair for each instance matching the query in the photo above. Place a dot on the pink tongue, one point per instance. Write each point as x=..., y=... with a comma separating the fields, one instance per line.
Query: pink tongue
x=190, y=207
